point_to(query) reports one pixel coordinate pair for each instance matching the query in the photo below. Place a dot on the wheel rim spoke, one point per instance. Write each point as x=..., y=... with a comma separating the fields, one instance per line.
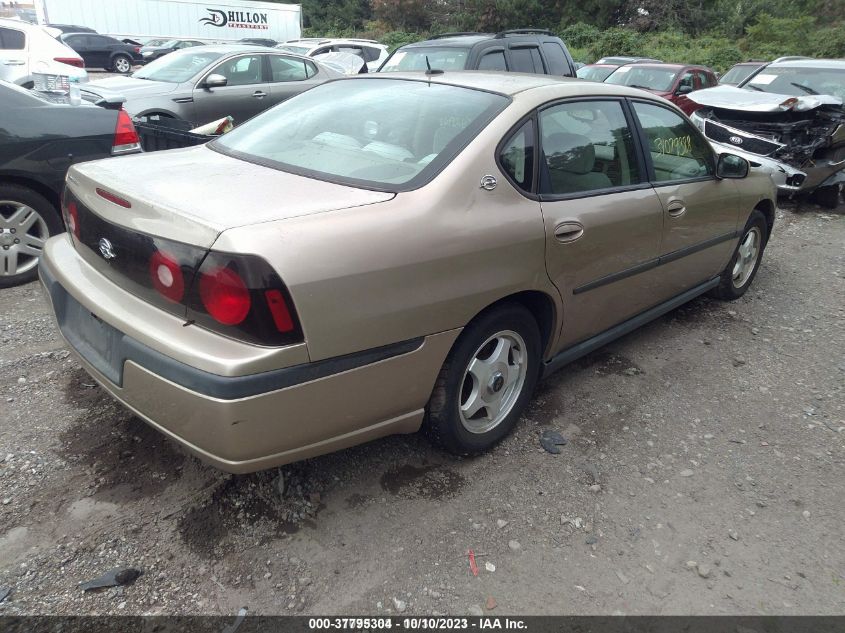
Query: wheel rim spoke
x=10, y=261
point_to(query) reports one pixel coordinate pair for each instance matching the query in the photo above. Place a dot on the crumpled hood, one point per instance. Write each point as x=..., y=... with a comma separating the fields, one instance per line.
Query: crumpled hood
x=733, y=98
x=193, y=194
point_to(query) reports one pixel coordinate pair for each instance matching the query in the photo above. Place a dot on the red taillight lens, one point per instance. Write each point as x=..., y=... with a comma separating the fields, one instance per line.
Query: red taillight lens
x=108, y=195
x=70, y=61
x=166, y=276
x=125, y=135
x=72, y=218
x=279, y=310
x=225, y=296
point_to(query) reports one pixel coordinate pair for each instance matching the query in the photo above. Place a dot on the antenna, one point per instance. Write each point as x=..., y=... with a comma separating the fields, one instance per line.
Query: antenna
x=431, y=71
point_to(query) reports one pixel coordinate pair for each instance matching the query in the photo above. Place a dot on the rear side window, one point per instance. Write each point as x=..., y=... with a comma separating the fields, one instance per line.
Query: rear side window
x=526, y=60
x=286, y=69
x=78, y=40
x=12, y=39
x=493, y=61
x=370, y=53
x=517, y=157
x=587, y=146
x=556, y=59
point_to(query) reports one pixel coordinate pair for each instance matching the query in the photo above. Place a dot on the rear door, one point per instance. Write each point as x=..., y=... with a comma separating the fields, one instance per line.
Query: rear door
x=288, y=76
x=603, y=219
x=100, y=50
x=245, y=95
x=700, y=212
x=81, y=43
x=14, y=64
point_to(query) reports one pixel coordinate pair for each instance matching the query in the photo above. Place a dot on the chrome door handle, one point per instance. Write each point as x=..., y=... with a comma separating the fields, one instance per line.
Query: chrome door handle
x=14, y=63
x=259, y=95
x=676, y=208
x=568, y=231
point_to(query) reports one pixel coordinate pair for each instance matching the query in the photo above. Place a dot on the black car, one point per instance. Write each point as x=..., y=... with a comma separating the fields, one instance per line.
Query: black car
x=258, y=41
x=71, y=28
x=102, y=51
x=149, y=52
x=40, y=137
x=518, y=50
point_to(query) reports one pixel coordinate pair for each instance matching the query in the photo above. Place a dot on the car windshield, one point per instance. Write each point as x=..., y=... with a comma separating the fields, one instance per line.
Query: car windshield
x=299, y=50
x=647, y=77
x=169, y=43
x=415, y=59
x=737, y=74
x=799, y=81
x=384, y=134
x=177, y=67
x=156, y=42
x=595, y=73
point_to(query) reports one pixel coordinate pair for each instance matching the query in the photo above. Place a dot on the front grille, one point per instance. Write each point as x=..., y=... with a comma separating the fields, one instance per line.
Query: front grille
x=123, y=255
x=749, y=143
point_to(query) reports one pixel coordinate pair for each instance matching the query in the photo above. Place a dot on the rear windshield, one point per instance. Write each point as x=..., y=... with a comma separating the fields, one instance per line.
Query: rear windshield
x=382, y=134
x=415, y=59
x=646, y=77
x=799, y=81
x=155, y=42
x=299, y=50
x=595, y=73
x=177, y=67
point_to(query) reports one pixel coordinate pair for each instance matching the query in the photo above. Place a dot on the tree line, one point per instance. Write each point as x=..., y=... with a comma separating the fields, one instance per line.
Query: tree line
x=717, y=32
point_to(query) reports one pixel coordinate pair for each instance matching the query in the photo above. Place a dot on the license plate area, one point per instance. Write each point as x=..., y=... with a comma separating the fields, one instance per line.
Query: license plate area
x=98, y=342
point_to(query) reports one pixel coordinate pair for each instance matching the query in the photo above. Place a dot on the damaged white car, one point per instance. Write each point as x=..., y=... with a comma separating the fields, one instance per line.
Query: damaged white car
x=788, y=118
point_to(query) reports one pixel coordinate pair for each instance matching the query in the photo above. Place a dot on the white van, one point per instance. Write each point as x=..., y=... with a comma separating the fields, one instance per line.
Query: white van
x=26, y=49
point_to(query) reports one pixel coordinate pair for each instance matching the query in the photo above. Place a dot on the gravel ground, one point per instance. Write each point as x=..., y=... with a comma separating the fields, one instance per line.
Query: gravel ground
x=704, y=474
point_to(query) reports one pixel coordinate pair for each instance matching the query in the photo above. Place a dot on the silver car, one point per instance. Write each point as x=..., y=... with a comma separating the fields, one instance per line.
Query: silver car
x=205, y=83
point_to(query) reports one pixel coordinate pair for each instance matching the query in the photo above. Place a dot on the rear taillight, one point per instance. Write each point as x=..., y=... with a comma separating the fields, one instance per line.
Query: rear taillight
x=125, y=135
x=166, y=276
x=70, y=61
x=225, y=296
x=137, y=49
x=72, y=218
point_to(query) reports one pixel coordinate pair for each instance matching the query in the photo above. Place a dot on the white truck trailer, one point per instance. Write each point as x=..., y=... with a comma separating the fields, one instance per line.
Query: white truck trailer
x=141, y=20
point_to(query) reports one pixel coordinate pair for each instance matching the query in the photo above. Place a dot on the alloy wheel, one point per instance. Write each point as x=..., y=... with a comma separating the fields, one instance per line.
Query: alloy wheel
x=122, y=65
x=23, y=233
x=746, y=258
x=493, y=381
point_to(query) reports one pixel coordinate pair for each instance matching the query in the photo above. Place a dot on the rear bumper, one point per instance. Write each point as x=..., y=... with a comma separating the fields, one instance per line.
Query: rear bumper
x=250, y=422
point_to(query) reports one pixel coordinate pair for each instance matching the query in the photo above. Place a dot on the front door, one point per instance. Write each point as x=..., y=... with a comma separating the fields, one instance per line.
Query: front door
x=603, y=219
x=700, y=212
x=244, y=96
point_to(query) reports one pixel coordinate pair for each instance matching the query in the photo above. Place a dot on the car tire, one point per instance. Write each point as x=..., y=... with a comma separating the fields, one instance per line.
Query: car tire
x=827, y=197
x=29, y=218
x=494, y=364
x=740, y=272
x=121, y=64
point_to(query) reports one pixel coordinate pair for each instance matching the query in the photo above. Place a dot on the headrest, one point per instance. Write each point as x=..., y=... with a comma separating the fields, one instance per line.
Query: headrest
x=569, y=152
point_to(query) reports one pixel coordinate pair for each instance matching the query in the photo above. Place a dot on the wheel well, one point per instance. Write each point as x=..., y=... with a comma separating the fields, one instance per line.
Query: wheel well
x=540, y=305
x=768, y=210
x=52, y=197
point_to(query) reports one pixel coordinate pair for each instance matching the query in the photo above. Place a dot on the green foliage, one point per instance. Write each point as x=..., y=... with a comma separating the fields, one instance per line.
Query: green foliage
x=774, y=37
x=617, y=41
x=579, y=35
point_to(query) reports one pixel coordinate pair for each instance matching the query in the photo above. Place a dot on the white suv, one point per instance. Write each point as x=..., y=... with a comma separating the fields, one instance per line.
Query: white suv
x=26, y=49
x=370, y=51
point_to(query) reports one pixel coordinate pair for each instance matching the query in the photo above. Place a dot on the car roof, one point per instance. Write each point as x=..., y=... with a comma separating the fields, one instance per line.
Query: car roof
x=508, y=84
x=810, y=63
x=460, y=41
x=676, y=67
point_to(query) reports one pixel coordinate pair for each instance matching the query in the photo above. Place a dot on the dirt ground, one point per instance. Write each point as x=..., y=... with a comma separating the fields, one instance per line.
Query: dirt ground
x=705, y=474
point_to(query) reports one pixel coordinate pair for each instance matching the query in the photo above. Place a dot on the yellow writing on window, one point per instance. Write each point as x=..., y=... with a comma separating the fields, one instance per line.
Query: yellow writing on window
x=676, y=145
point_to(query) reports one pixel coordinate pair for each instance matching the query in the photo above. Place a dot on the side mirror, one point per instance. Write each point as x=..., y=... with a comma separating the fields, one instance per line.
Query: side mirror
x=685, y=90
x=731, y=166
x=215, y=81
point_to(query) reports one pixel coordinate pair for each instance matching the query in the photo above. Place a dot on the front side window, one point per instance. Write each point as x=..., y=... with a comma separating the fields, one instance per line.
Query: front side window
x=686, y=82
x=586, y=146
x=677, y=151
x=517, y=156
x=12, y=39
x=380, y=133
x=415, y=59
x=493, y=61
x=287, y=69
x=241, y=71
